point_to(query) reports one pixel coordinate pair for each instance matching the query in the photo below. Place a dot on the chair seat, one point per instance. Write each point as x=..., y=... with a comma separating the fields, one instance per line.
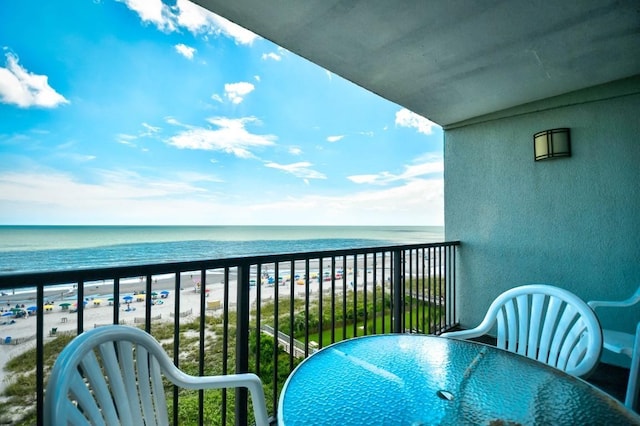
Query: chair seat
x=618, y=342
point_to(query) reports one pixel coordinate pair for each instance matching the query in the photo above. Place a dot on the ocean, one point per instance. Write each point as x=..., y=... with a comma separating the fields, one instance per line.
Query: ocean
x=54, y=248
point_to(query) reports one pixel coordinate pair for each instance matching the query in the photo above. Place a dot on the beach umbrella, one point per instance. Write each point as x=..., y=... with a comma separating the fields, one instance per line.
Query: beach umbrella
x=128, y=298
x=32, y=308
x=6, y=314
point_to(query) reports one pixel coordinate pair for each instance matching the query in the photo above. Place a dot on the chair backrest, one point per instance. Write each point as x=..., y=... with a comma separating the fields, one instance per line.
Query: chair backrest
x=549, y=324
x=113, y=375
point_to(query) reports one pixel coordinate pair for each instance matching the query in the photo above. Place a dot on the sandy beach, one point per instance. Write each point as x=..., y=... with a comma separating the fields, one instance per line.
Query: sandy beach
x=99, y=310
x=99, y=304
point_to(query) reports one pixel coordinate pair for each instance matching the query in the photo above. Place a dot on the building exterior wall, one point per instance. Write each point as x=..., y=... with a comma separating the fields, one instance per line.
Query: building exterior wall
x=571, y=222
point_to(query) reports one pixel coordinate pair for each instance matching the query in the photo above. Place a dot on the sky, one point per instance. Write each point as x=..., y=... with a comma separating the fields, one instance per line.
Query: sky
x=138, y=112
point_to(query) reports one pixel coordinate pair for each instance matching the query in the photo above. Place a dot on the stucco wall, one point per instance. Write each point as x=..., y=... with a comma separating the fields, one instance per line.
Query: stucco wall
x=572, y=222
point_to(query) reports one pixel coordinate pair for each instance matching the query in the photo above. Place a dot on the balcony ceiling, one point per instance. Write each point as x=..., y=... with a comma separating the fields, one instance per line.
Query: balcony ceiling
x=457, y=59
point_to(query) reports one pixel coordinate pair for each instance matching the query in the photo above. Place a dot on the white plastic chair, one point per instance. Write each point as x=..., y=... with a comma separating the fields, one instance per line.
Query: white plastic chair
x=112, y=376
x=624, y=343
x=545, y=323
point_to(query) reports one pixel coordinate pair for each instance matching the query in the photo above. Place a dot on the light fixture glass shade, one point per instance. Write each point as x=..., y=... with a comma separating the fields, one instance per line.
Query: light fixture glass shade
x=551, y=144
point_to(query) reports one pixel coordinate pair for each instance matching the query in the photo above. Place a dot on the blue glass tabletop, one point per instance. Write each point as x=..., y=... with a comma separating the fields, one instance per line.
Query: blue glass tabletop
x=409, y=379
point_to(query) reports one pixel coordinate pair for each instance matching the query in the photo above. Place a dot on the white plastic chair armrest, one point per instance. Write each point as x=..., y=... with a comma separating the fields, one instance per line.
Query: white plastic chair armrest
x=481, y=329
x=464, y=334
x=635, y=298
x=247, y=380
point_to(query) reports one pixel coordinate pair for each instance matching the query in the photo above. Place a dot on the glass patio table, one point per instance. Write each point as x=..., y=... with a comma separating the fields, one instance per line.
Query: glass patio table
x=411, y=379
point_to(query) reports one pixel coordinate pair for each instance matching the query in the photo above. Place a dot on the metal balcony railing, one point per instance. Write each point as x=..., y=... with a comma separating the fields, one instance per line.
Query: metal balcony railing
x=262, y=314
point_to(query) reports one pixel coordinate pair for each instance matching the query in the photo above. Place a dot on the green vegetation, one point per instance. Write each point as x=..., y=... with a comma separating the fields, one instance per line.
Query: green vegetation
x=349, y=316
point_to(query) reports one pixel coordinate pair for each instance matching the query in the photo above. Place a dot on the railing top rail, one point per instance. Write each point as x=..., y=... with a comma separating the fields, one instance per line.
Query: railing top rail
x=95, y=274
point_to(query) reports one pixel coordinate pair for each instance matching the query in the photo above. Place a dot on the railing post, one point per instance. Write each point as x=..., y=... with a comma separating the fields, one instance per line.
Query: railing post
x=242, y=340
x=398, y=297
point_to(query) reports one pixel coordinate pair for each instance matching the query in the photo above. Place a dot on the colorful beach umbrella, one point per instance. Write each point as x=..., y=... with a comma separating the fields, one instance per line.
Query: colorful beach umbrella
x=127, y=298
x=32, y=308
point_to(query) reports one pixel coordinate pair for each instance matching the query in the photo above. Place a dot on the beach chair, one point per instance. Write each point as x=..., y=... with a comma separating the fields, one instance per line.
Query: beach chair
x=113, y=375
x=545, y=323
x=627, y=344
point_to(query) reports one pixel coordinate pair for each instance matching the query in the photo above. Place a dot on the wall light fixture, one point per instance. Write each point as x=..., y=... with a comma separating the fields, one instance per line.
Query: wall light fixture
x=551, y=144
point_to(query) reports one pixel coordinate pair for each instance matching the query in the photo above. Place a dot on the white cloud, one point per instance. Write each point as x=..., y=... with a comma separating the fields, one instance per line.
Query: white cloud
x=294, y=150
x=301, y=169
x=150, y=130
x=416, y=202
x=80, y=158
x=236, y=92
x=147, y=131
x=110, y=185
x=429, y=166
x=126, y=139
x=335, y=138
x=406, y=118
x=25, y=89
x=172, y=121
x=230, y=137
x=199, y=20
x=180, y=199
x=271, y=55
x=185, y=50
x=193, y=177
x=153, y=11
x=217, y=98
x=190, y=16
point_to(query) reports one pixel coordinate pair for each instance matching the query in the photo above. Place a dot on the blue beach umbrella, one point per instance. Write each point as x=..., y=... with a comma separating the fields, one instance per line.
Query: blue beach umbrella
x=127, y=298
x=32, y=308
x=6, y=314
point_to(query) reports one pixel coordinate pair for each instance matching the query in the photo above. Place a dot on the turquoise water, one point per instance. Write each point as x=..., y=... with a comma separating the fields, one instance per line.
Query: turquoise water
x=50, y=248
